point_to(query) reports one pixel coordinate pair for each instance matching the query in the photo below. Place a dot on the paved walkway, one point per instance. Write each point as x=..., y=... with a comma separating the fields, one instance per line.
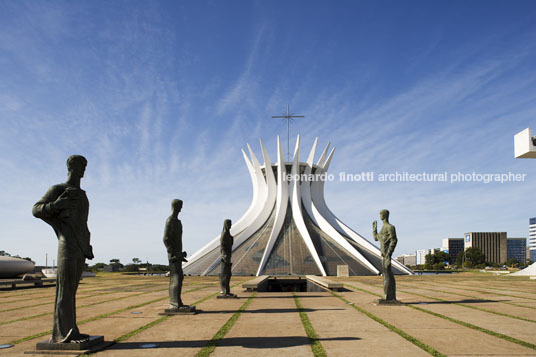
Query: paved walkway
x=457, y=315
x=270, y=326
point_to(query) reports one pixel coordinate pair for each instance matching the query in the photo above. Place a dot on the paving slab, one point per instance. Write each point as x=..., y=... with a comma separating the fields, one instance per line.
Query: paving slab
x=183, y=335
x=115, y=325
x=522, y=330
x=468, y=293
x=506, y=283
x=47, y=306
x=17, y=330
x=343, y=331
x=501, y=305
x=270, y=326
x=445, y=336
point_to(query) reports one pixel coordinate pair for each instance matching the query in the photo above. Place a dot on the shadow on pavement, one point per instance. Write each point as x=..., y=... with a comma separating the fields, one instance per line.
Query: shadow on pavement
x=266, y=311
x=465, y=301
x=289, y=296
x=248, y=342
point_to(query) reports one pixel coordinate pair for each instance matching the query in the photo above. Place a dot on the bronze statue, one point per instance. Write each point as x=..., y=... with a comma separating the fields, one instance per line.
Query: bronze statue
x=388, y=240
x=65, y=207
x=173, y=243
x=226, y=249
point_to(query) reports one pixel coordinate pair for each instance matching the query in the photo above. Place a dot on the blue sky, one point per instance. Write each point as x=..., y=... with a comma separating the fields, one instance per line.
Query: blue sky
x=161, y=96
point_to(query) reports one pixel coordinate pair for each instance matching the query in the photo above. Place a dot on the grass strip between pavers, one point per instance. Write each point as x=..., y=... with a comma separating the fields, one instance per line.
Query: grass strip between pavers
x=478, y=328
x=41, y=334
x=443, y=291
x=156, y=322
x=79, y=307
x=53, y=292
x=77, y=298
x=142, y=328
x=363, y=290
x=497, y=287
x=453, y=286
x=164, y=318
x=464, y=295
x=52, y=302
x=316, y=346
x=466, y=324
x=211, y=345
x=429, y=349
x=471, y=307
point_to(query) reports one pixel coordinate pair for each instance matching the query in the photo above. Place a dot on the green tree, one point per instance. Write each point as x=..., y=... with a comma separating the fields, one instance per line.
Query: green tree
x=98, y=266
x=473, y=258
x=116, y=262
x=460, y=258
x=439, y=266
x=436, y=261
x=131, y=268
x=136, y=261
x=514, y=263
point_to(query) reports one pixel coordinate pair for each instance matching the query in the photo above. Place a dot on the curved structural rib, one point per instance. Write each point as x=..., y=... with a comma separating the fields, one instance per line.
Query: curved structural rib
x=268, y=216
x=281, y=206
x=320, y=221
x=259, y=198
x=242, y=222
x=262, y=210
x=297, y=212
x=317, y=191
x=269, y=194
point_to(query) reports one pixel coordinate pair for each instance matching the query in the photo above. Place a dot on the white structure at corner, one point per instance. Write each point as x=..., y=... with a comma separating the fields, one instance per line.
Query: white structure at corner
x=528, y=271
x=524, y=147
x=273, y=196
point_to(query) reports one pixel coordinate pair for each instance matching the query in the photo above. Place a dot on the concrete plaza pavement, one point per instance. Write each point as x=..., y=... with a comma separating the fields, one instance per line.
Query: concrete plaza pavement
x=466, y=314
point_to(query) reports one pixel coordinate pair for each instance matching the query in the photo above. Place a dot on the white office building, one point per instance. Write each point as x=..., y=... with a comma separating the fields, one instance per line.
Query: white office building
x=421, y=254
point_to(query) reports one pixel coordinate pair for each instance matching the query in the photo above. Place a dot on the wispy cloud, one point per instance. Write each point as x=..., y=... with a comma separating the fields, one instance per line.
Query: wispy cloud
x=128, y=88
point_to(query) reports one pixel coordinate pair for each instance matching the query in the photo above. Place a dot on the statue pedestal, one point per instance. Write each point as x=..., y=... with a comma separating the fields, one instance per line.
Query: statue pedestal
x=183, y=310
x=227, y=296
x=388, y=302
x=93, y=344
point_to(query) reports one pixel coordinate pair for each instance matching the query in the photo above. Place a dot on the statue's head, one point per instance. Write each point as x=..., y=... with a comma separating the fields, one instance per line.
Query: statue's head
x=176, y=205
x=384, y=214
x=76, y=165
x=227, y=225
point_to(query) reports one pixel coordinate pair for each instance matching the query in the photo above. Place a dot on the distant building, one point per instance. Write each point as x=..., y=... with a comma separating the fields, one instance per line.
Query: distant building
x=532, y=239
x=420, y=256
x=432, y=250
x=492, y=244
x=111, y=268
x=452, y=246
x=516, y=249
x=408, y=259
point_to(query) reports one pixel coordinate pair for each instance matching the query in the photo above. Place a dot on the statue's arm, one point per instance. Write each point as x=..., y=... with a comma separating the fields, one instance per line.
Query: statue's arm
x=89, y=248
x=393, y=241
x=180, y=253
x=170, y=235
x=44, y=208
x=375, y=230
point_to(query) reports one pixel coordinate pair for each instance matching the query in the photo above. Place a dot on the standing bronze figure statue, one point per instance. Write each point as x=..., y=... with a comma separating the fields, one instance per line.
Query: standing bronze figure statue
x=173, y=243
x=226, y=251
x=388, y=240
x=65, y=207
